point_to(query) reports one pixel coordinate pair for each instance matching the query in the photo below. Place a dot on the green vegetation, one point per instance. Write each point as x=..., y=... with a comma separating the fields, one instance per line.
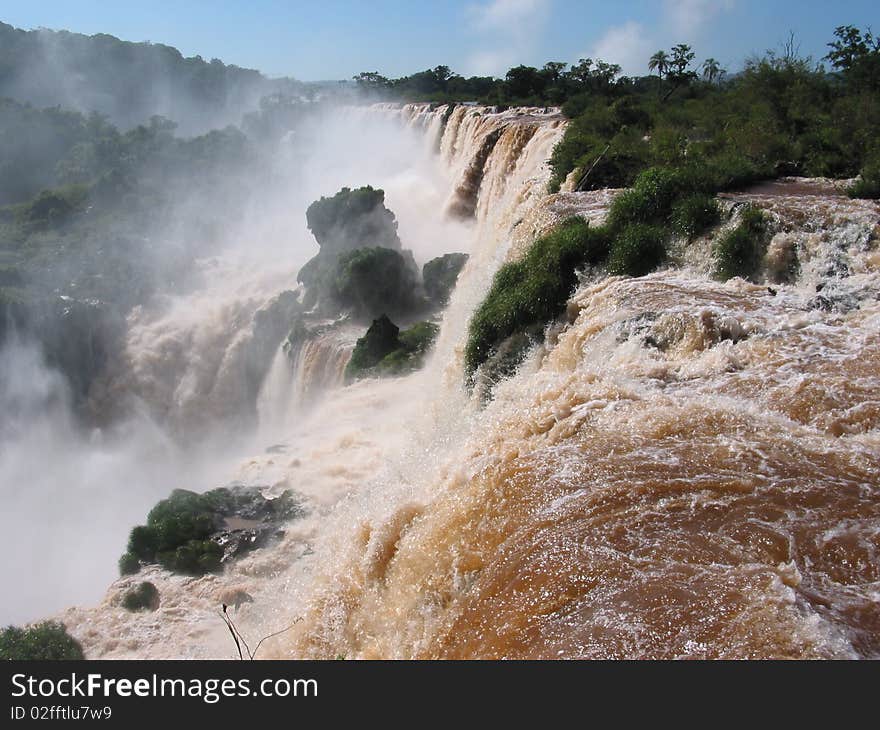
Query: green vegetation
x=739, y=251
x=868, y=184
x=637, y=250
x=370, y=281
x=120, y=79
x=439, y=276
x=142, y=597
x=384, y=350
x=361, y=266
x=48, y=640
x=695, y=214
x=182, y=532
x=528, y=293
x=782, y=115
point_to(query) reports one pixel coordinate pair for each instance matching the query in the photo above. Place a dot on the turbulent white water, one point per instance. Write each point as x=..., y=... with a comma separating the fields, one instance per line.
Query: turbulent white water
x=346, y=449
x=685, y=469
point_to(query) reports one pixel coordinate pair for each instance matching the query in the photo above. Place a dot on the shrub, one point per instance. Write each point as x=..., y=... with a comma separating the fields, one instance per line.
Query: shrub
x=527, y=294
x=419, y=338
x=353, y=219
x=739, y=251
x=868, y=184
x=143, y=596
x=694, y=214
x=385, y=350
x=48, y=640
x=179, y=530
x=652, y=196
x=380, y=340
x=129, y=564
x=637, y=250
x=195, y=557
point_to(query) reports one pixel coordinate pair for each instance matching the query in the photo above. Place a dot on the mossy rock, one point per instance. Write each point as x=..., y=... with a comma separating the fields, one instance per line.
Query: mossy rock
x=440, y=275
x=186, y=532
x=371, y=281
x=385, y=350
x=739, y=252
x=142, y=597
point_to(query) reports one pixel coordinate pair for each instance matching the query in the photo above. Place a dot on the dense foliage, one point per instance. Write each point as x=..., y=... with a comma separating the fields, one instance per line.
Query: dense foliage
x=45, y=641
x=783, y=114
x=385, y=350
x=739, y=251
x=184, y=532
x=128, y=82
x=528, y=293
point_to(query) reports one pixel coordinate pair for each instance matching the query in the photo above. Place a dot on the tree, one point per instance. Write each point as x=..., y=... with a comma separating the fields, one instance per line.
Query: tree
x=712, y=70
x=660, y=63
x=856, y=54
x=524, y=82
x=371, y=80
x=678, y=70
x=679, y=65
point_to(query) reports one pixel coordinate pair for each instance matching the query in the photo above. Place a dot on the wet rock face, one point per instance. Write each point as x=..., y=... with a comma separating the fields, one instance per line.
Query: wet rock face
x=79, y=337
x=341, y=276
x=440, y=275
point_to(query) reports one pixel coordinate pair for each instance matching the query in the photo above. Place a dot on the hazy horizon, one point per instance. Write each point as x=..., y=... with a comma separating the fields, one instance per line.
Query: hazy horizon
x=338, y=39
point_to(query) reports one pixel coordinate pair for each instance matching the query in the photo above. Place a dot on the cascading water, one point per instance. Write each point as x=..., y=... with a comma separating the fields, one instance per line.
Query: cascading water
x=685, y=469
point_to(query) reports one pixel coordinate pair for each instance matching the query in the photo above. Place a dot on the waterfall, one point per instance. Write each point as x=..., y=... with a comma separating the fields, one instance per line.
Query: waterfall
x=685, y=469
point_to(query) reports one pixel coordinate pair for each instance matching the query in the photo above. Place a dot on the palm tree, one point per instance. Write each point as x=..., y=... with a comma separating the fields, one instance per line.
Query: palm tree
x=712, y=70
x=659, y=62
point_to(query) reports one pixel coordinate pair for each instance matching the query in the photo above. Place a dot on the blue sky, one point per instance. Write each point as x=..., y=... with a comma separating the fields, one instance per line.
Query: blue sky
x=332, y=39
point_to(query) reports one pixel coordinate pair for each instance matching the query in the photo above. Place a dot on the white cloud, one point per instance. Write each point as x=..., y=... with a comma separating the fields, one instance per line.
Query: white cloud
x=681, y=21
x=507, y=30
x=507, y=15
x=628, y=45
x=688, y=17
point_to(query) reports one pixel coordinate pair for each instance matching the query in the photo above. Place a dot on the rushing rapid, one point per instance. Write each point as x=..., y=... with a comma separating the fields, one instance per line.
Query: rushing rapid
x=684, y=469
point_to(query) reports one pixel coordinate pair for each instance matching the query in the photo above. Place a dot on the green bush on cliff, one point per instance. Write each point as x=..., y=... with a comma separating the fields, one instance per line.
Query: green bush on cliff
x=353, y=219
x=868, y=184
x=179, y=529
x=527, y=294
x=385, y=350
x=637, y=250
x=739, y=251
x=46, y=641
x=652, y=197
x=695, y=214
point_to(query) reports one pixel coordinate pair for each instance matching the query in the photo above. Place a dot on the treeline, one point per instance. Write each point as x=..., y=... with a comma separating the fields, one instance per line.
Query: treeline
x=129, y=82
x=522, y=86
x=783, y=114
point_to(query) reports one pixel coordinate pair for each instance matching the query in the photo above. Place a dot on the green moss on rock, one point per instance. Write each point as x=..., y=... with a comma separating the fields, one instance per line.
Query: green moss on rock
x=529, y=293
x=142, y=597
x=385, y=350
x=440, y=275
x=739, y=252
x=186, y=533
